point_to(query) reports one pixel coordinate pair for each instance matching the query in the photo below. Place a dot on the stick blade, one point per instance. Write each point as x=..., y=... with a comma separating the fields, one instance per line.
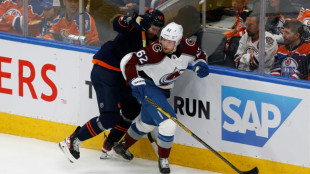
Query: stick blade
x=253, y=171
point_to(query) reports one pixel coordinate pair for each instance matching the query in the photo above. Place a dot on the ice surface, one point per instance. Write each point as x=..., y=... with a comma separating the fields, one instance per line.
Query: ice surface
x=21, y=155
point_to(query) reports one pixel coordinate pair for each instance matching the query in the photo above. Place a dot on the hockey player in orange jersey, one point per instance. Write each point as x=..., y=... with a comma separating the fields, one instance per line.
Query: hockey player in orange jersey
x=66, y=26
x=11, y=15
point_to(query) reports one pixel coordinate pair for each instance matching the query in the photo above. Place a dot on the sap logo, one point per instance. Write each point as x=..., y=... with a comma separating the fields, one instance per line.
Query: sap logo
x=191, y=107
x=251, y=117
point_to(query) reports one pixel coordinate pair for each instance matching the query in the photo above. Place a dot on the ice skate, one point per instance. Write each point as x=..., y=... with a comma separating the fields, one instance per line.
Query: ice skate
x=163, y=164
x=107, y=149
x=70, y=147
x=122, y=152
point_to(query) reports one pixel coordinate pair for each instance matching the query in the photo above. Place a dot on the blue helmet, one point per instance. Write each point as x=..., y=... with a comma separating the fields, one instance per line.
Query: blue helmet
x=50, y=3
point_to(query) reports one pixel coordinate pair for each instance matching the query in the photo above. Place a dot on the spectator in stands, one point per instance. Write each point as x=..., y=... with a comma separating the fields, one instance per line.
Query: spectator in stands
x=247, y=57
x=157, y=3
x=11, y=19
x=301, y=3
x=132, y=6
x=238, y=29
x=282, y=7
x=304, y=17
x=278, y=11
x=51, y=9
x=292, y=59
x=66, y=26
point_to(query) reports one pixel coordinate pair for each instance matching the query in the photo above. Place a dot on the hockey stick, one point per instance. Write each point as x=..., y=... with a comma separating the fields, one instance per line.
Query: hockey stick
x=154, y=144
x=149, y=135
x=253, y=171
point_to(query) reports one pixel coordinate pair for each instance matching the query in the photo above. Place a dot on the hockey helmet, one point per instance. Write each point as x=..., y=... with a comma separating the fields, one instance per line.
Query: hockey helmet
x=173, y=32
x=157, y=18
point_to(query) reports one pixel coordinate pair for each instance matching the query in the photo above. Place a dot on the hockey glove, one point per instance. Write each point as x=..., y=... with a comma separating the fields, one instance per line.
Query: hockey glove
x=145, y=22
x=138, y=87
x=190, y=67
x=136, y=21
x=201, y=69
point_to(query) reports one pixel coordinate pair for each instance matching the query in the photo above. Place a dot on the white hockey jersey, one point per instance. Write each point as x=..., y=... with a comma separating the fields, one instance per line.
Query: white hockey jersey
x=246, y=57
x=151, y=63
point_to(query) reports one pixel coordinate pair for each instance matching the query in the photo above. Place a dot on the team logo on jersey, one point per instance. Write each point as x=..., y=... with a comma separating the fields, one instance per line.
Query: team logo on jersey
x=14, y=12
x=288, y=67
x=157, y=47
x=11, y=12
x=189, y=42
x=167, y=79
x=306, y=22
x=269, y=40
x=252, y=49
x=252, y=117
x=306, y=34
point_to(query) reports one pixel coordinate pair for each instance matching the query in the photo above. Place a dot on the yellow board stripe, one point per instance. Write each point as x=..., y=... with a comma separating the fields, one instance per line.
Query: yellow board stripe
x=181, y=155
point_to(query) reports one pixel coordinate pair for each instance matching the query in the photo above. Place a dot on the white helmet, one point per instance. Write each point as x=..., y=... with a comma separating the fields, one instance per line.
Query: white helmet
x=173, y=32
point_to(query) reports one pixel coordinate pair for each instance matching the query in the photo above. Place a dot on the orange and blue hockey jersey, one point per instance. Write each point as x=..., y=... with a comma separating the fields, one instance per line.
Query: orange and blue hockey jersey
x=128, y=39
x=11, y=14
x=238, y=29
x=292, y=63
x=68, y=31
x=304, y=17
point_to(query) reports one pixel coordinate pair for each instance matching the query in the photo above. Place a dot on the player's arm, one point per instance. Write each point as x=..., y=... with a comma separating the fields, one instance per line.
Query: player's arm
x=200, y=65
x=92, y=33
x=276, y=69
x=54, y=32
x=122, y=23
x=9, y=20
x=128, y=23
x=271, y=48
x=241, y=58
x=130, y=73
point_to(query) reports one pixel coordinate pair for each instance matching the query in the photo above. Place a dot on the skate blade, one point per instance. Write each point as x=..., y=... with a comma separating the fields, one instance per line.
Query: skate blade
x=105, y=155
x=120, y=157
x=64, y=148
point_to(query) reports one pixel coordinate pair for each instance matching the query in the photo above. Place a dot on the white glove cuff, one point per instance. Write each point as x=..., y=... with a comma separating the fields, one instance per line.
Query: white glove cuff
x=138, y=81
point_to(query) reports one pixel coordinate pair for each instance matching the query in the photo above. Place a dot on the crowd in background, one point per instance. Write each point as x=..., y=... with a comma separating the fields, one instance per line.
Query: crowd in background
x=59, y=20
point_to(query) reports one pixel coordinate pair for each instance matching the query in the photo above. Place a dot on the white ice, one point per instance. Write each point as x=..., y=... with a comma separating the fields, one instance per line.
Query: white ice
x=21, y=155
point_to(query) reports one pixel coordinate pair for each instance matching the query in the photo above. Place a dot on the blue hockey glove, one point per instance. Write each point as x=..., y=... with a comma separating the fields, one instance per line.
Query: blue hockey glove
x=138, y=87
x=190, y=67
x=201, y=69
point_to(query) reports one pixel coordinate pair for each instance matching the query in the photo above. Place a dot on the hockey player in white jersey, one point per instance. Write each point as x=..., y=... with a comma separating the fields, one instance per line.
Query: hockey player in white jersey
x=152, y=72
x=246, y=57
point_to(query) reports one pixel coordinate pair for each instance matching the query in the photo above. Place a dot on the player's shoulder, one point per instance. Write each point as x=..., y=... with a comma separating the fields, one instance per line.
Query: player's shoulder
x=154, y=48
x=282, y=50
x=306, y=46
x=189, y=46
x=153, y=52
x=60, y=17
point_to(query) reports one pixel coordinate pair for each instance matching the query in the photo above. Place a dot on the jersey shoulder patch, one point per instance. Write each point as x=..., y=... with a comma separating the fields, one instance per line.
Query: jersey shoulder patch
x=150, y=54
x=189, y=46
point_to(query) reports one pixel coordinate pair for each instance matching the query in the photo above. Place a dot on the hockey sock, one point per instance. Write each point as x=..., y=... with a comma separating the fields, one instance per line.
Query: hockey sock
x=164, y=145
x=163, y=152
x=118, y=131
x=133, y=135
x=89, y=130
x=129, y=141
